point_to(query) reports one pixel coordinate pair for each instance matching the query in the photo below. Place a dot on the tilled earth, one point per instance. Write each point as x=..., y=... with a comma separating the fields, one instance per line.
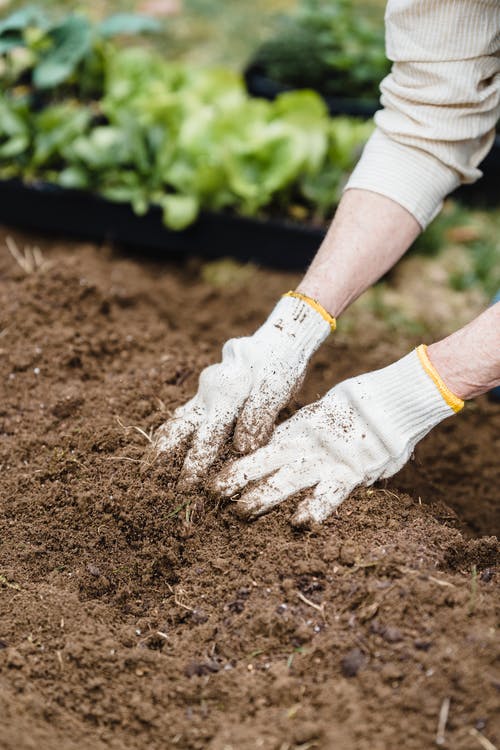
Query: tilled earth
x=132, y=616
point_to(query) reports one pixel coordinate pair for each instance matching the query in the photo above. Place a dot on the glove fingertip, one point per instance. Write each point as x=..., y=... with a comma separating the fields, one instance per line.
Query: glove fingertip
x=187, y=481
x=195, y=468
x=303, y=520
x=218, y=486
x=244, y=511
x=171, y=438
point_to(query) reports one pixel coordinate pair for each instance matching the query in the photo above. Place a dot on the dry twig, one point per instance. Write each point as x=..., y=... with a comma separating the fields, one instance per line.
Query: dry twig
x=319, y=607
x=483, y=741
x=176, y=600
x=30, y=259
x=442, y=720
x=9, y=584
x=142, y=432
x=124, y=458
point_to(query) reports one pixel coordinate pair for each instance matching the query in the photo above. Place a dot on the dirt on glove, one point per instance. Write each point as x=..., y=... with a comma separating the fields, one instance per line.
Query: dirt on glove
x=133, y=616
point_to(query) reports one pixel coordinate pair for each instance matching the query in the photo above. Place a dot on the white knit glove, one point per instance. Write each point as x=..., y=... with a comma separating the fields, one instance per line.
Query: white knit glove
x=257, y=377
x=364, y=429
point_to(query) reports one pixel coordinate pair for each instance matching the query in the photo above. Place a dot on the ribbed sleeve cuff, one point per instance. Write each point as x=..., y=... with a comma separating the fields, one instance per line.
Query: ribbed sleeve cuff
x=304, y=327
x=409, y=398
x=409, y=176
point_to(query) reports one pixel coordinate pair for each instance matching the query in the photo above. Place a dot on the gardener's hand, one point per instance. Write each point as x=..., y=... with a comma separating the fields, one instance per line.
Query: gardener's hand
x=257, y=377
x=363, y=429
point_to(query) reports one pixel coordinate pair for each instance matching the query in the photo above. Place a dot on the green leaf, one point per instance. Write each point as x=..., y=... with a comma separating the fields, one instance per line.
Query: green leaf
x=55, y=128
x=21, y=19
x=10, y=41
x=71, y=41
x=14, y=146
x=179, y=211
x=347, y=138
x=74, y=178
x=14, y=130
x=129, y=24
x=105, y=147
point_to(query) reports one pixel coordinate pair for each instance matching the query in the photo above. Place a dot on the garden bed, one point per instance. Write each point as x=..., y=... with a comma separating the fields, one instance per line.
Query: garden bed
x=132, y=616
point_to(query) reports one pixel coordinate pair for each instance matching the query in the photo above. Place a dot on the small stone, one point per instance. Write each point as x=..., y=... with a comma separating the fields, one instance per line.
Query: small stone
x=391, y=673
x=307, y=731
x=391, y=635
x=199, y=669
x=422, y=645
x=14, y=659
x=348, y=553
x=352, y=663
x=198, y=616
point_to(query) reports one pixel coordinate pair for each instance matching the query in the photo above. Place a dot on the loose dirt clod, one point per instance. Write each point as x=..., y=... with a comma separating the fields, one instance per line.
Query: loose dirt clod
x=352, y=662
x=133, y=615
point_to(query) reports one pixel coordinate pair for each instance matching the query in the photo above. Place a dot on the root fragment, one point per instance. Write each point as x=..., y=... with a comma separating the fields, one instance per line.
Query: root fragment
x=482, y=740
x=30, y=259
x=442, y=720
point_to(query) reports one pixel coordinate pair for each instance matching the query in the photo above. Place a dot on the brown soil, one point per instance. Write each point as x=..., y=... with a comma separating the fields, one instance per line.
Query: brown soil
x=132, y=616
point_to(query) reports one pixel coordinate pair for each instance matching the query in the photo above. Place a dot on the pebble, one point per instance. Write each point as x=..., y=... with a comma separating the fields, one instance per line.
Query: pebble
x=352, y=662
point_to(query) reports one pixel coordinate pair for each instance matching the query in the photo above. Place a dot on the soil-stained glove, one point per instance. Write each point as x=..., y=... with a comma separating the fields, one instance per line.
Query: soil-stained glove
x=364, y=429
x=257, y=377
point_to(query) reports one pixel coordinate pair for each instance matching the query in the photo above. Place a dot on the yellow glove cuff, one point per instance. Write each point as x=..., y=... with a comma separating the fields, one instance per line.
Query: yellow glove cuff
x=316, y=306
x=453, y=401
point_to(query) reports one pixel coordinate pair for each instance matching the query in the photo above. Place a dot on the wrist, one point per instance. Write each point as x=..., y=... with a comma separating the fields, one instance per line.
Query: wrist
x=316, y=305
x=460, y=377
x=297, y=325
x=445, y=364
x=335, y=301
x=407, y=398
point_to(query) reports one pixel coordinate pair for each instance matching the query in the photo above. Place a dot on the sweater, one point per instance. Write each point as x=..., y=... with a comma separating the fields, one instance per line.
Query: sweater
x=440, y=103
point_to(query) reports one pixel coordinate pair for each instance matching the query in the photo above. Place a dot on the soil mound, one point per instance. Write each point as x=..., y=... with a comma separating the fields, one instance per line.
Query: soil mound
x=133, y=616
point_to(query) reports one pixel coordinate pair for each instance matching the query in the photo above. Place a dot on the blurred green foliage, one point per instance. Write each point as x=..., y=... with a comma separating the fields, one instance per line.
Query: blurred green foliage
x=484, y=268
x=80, y=112
x=327, y=45
x=476, y=232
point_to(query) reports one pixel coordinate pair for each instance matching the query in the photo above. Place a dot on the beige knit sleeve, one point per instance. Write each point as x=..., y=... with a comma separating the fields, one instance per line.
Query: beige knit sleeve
x=440, y=102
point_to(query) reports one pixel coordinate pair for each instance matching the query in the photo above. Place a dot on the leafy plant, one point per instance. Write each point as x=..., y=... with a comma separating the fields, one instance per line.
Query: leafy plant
x=477, y=234
x=13, y=27
x=66, y=46
x=59, y=49
x=484, y=270
x=327, y=45
x=180, y=137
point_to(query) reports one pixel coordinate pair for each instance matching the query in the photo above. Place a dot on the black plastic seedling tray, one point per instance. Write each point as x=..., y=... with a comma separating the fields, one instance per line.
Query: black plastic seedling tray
x=276, y=243
x=84, y=215
x=486, y=191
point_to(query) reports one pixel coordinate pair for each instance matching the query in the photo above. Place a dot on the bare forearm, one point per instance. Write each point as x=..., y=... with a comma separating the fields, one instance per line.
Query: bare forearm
x=469, y=359
x=368, y=235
